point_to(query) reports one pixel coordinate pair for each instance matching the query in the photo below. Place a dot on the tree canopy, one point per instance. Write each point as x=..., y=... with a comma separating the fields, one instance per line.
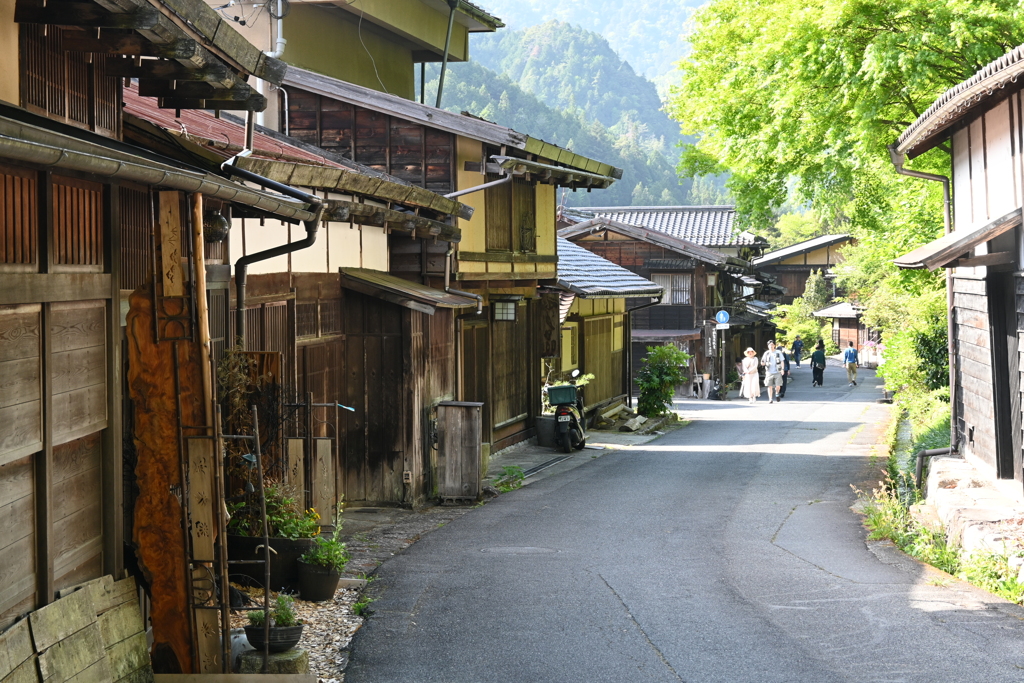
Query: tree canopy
x=798, y=99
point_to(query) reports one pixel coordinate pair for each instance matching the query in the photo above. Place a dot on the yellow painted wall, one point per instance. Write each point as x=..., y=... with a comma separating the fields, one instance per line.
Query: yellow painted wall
x=9, y=91
x=416, y=21
x=474, y=231
x=330, y=42
x=546, y=208
x=819, y=257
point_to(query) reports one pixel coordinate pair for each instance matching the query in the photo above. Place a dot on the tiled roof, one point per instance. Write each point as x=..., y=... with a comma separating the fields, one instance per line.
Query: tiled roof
x=841, y=310
x=995, y=80
x=591, y=277
x=709, y=226
x=799, y=248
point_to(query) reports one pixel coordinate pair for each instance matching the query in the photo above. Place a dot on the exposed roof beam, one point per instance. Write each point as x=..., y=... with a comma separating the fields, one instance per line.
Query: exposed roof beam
x=85, y=15
x=368, y=214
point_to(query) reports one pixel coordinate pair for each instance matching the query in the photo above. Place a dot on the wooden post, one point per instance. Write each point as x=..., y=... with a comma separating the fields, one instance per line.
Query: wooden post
x=204, y=499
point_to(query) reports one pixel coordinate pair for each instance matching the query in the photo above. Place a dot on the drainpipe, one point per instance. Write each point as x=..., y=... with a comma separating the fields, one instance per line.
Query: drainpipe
x=459, y=292
x=477, y=188
x=454, y=5
x=276, y=52
x=242, y=264
x=629, y=360
x=898, y=160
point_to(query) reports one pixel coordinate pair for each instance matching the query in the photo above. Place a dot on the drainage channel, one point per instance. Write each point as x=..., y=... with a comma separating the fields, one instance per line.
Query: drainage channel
x=544, y=465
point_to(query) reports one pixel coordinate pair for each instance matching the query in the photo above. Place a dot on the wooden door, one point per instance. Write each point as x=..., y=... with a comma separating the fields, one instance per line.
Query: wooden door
x=475, y=366
x=1005, y=365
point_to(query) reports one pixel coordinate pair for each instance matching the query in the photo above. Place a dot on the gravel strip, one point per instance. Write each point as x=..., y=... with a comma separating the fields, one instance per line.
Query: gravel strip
x=330, y=625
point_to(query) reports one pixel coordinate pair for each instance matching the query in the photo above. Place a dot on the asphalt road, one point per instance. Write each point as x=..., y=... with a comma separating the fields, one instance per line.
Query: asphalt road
x=723, y=551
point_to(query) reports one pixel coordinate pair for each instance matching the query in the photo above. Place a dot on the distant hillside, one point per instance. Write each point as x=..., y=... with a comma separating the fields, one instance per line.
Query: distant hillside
x=649, y=178
x=571, y=68
x=649, y=34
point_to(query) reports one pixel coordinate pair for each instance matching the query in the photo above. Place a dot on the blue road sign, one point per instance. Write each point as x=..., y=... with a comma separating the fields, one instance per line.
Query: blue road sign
x=722, y=317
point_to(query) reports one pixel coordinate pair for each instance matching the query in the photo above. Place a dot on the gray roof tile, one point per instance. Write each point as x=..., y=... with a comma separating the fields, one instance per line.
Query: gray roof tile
x=709, y=226
x=591, y=276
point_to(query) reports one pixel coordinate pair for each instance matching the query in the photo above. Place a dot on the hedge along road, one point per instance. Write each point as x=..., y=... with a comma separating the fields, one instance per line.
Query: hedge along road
x=723, y=551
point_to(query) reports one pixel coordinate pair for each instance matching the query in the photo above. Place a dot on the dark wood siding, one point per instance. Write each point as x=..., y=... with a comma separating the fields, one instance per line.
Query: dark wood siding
x=420, y=155
x=77, y=223
x=136, y=233
x=976, y=420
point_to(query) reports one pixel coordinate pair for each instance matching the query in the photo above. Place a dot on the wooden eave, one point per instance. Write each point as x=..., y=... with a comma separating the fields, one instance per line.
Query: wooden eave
x=946, y=251
x=194, y=59
x=401, y=292
x=469, y=126
x=350, y=182
x=559, y=176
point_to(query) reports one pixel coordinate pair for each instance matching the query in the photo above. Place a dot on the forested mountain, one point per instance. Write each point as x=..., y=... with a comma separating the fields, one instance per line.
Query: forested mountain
x=649, y=34
x=649, y=176
x=572, y=68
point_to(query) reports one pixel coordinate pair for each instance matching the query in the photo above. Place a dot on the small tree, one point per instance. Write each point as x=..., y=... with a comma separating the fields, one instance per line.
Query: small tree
x=662, y=370
x=816, y=292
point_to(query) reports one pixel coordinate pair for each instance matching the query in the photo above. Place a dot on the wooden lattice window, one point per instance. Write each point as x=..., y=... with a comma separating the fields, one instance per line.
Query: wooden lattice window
x=19, y=219
x=136, y=236
x=72, y=87
x=77, y=224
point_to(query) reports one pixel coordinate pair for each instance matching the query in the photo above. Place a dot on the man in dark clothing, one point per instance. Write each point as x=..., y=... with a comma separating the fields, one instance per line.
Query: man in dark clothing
x=785, y=370
x=798, y=349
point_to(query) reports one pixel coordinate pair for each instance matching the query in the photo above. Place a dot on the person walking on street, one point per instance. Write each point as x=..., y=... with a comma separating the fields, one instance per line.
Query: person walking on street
x=773, y=362
x=798, y=349
x=751, y=385
x=785, y=370
x=851, y=361
x=818, y=364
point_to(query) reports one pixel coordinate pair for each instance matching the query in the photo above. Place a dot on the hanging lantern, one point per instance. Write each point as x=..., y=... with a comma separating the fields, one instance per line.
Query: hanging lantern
x=215, y=226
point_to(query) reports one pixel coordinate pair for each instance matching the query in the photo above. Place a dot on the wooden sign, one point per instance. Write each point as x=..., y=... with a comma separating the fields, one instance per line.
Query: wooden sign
x=169, y=223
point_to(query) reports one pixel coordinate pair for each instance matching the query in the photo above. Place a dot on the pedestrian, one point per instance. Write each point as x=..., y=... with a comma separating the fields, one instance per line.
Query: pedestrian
x=750, y=388
x=798, y=349
x=851, y=361
x=818, y=364
x=773, y=363
x=785, y=369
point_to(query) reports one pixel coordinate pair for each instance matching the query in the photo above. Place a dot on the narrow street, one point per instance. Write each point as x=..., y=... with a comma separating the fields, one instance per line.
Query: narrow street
x=723, y=551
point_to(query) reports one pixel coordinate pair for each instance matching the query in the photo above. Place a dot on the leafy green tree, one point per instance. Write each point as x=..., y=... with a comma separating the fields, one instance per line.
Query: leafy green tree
x=797, y=101
x=662, y=370
x=816, y=291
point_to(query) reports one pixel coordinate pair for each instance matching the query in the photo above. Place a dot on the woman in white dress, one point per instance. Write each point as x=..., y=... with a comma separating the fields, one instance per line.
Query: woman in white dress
x=750, y=388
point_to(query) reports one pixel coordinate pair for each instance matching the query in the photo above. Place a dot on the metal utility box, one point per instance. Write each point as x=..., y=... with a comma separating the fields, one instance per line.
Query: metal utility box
x=459, y=429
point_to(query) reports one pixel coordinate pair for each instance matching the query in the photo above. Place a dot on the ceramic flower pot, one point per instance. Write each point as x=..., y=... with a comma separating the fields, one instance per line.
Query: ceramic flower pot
x=317, y=583
x=282, y=638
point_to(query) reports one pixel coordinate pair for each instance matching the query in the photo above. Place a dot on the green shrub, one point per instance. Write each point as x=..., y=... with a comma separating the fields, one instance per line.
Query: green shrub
x=281, y=614
x=662, y=370
x=328, y=553
x=285, y=516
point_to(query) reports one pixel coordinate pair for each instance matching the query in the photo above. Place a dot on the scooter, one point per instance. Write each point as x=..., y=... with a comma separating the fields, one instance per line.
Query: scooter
x=568, y=403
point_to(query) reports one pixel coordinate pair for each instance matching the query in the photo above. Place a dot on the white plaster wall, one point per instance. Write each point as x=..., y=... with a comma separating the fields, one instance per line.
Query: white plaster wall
x=1002, y=190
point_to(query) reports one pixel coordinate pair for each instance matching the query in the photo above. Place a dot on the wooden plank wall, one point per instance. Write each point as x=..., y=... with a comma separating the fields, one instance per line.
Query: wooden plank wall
x=597, y=359
x=974, y=370
x=417, y=154
x=510, y=368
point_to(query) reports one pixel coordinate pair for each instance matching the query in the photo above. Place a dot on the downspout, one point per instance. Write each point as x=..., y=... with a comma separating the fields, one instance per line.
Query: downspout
x=242, y=264
x=276, y=53
x=454, y=5
x=629, y=312
x=459, y=292
x=477, y=188
x=898, y=160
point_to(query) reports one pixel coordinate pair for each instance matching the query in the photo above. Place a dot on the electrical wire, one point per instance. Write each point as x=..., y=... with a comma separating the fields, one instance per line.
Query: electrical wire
x=359, y=31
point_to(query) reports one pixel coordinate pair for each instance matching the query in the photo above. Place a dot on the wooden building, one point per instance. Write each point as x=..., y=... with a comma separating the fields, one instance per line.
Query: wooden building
x=593, y=294
x=506, y=252
x=791, y=266
x=846, y=324
x=697, y=281
x=981, y=120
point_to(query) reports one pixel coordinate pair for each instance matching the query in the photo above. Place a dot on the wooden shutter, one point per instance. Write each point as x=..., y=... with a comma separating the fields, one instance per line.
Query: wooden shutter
x=498, y=209
x=524, y=214
x=19, y=219
x=136, y=230
x=77, y=224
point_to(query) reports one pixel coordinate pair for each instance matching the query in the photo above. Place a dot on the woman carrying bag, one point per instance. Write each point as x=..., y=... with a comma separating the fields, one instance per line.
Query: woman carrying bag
x=751, y=385
x=818, y=364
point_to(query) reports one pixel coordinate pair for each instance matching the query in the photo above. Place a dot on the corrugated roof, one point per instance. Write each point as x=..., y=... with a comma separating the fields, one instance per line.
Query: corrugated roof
x=590, y=276
x=709, y=226
x=979, y=90
x=799, y=248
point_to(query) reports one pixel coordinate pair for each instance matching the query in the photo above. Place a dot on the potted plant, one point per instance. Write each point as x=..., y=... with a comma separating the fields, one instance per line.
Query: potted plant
x=285, y=628
x=320, y=569
x=291, y=531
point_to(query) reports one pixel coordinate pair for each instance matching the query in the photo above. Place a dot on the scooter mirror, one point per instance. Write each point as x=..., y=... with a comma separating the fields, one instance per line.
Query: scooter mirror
x=575, y=373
